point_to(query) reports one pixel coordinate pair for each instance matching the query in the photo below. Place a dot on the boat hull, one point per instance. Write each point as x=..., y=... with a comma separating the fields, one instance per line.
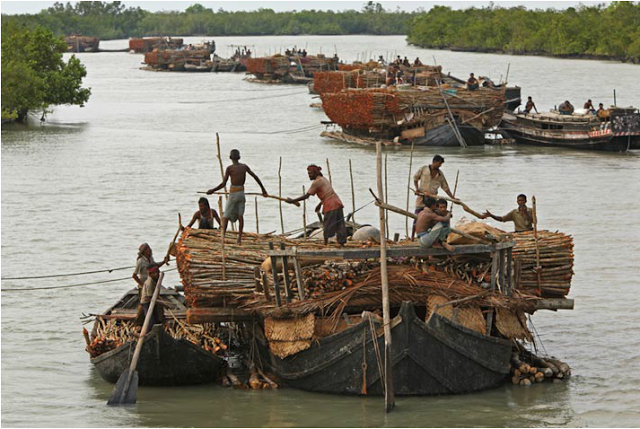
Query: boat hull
x=444, y=136
x=164, y=361
x=534, y=137
x=434, y=358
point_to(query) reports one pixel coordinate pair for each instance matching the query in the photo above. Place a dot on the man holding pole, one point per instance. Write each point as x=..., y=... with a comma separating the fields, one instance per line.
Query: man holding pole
x=432, y=224
x=427, y=180
x=333, y=222
x=234, y=209
x=522, y=217
x=147, y=292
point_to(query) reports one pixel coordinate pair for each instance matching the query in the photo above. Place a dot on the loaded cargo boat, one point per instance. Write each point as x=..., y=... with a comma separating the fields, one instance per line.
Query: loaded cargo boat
x=172, y=354
x=312, y=311
x=148, y=44
x=188, y=60
x=77, y=43
x=619, y=132
x=289, y=69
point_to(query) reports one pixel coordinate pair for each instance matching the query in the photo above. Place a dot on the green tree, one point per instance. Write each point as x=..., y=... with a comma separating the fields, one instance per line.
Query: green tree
x=34, y=74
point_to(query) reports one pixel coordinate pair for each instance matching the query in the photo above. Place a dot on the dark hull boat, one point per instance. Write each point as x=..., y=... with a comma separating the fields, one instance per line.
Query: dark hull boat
x=164, y=360
x=445, y=136
x=432, y=358
x=586, y=132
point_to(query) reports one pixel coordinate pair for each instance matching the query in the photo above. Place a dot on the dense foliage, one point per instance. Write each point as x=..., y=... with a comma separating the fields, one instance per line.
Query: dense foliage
x=34, y=74
x=111, y=20
x=611, y=31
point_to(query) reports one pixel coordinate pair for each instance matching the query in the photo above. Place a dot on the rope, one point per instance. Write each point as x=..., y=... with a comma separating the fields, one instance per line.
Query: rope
x=74, y=285
x=68, y=275
x=242, y=99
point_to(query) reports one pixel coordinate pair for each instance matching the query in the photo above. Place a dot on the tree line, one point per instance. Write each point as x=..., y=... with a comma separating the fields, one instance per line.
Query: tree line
x=610, y=32
x=112, y=20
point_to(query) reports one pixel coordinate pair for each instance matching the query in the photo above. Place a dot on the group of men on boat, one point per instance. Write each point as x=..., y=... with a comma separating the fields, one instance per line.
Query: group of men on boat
x=566, y=108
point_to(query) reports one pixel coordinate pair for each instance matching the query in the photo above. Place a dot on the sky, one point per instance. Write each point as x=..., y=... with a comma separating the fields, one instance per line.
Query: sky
x=21, y=6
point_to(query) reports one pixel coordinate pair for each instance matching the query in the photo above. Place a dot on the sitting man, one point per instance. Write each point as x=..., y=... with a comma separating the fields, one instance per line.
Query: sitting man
x=566, y=108
x=433, y=226
x=472, y=83
x=522, y=217
x=602, y=113
x=588, y=106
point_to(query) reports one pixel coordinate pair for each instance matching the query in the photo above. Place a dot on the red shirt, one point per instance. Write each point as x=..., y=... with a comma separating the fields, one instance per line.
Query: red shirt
x=322, y=188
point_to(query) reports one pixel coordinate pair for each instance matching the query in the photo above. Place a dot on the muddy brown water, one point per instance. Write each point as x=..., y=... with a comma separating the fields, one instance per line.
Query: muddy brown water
x=82, y=191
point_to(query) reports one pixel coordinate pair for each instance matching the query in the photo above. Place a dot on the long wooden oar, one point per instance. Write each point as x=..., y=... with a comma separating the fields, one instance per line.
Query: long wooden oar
x=297, y=204
x=126, y=390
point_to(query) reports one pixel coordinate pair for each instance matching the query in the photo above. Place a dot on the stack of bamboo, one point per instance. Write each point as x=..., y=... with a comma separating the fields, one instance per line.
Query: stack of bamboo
x=268, y=65
x=335, y=81
x=527, y=368
x=362, y=109
x=555, y=251
x=176, y=59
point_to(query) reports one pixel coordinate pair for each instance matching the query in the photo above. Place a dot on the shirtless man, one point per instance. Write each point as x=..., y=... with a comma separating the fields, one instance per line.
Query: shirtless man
x=472, y=83
x=530, y=106
x=432, y=224
x=234, y=209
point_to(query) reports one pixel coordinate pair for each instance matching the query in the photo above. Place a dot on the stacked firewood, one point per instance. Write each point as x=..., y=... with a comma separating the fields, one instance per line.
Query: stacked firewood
x=527, y=368
x=332, y=277
x=555, y=250
x=218, y=293
x=469, y=271
x=114, y=333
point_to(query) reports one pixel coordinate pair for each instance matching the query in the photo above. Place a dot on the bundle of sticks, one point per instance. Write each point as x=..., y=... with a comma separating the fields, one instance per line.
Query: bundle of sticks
x=467, y=270
x=218, y=293
x=362, y=109
x=527, y=368
x=555, y=252
x=114, y=333
x=406, y=283
x=335, y=81
x=265, y=65
x=333, y=276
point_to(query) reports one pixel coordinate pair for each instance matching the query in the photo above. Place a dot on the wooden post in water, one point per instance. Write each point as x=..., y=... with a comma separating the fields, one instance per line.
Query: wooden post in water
x=280, y=194
x=406, y=221
x=353, y=198
x=389, y=399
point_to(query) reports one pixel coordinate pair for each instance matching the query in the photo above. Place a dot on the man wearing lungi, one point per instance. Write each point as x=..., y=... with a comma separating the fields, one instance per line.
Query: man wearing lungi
x=234, y=209
x=432, y=224
x=333, y=222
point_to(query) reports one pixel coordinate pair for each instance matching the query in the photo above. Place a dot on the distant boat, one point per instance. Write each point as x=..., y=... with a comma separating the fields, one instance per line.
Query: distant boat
x=577, y=131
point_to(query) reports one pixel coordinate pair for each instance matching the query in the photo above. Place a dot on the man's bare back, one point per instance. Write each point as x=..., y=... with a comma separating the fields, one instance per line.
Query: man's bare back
x=426, y=219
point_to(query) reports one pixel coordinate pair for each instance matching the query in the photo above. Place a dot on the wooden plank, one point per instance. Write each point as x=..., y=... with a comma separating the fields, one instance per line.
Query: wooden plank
x=285, y=276
x=509, y=272
x=554, y=304
x=274, y=271
x=298, y=271
x=217, y=314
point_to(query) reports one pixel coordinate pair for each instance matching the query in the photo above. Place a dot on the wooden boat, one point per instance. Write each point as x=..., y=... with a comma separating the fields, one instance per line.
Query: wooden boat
x=428, y=358
x=202, y=67
x=77, y=43
x=164, y=361
x=620, y=133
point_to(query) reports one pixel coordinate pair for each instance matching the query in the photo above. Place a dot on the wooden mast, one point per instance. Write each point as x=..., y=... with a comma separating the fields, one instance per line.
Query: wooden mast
x=389, y=399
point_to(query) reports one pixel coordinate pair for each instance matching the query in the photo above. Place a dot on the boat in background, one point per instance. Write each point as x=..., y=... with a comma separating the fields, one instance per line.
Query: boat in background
x=620, y=132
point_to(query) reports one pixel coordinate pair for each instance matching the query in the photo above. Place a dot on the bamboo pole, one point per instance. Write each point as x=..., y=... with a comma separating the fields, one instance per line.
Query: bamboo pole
x=304, y=214
x=406, y=222
x=455, y=188
x=386, y=192
x=353, y=198
x=389, y=401
x=222, y=171
x=223, y=233
x=257, y=221
x=297, y=204
x=175, y=236
x=280, y=194
x=329, y=172
x=538, y=268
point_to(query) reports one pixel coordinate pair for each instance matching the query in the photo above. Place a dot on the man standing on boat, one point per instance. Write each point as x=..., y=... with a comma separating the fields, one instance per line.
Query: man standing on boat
x=141, y=273
x=427, y=180
x=234, y=209
x=522, y=217
x=530, y=106
x=147, y=293
x=333, y=222
x=432, y=224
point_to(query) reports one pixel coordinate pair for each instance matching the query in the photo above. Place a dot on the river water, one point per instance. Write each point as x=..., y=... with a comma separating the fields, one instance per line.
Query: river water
x=82, y=191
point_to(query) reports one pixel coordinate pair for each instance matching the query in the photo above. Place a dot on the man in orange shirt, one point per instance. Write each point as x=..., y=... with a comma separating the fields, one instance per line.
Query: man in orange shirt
x=333, y=222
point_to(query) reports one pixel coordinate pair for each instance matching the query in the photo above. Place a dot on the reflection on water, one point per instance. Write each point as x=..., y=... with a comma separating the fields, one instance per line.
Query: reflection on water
x=82, y=191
